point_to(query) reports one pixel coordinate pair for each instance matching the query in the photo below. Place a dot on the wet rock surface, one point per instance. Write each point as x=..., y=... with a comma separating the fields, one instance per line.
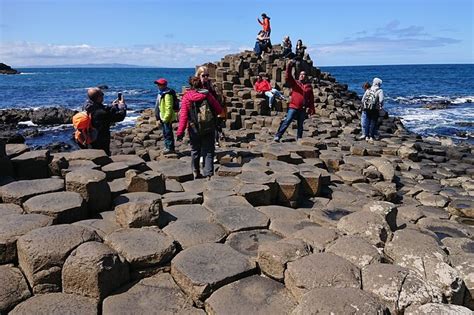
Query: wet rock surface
x=327, y=223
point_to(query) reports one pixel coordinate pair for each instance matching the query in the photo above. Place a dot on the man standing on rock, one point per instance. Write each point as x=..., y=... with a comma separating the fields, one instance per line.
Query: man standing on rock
x=372, y=103
x=103, y=116
x=302, y=102
x=265, y=24
x=164, y=112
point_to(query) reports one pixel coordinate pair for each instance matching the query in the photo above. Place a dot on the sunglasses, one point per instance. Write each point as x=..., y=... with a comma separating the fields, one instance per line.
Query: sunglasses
x=204, y=75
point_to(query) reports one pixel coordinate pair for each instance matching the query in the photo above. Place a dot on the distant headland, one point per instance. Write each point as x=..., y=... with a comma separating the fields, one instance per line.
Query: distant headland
x=6, y=69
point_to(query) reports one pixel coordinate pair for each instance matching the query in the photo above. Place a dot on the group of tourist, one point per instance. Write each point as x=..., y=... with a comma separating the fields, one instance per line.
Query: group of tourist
x=203, y=113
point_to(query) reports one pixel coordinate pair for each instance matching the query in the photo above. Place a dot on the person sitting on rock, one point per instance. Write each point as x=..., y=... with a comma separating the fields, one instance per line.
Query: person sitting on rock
x=165, y=113
x=265, y=23
x=287, y=48
x=262, y=85
x=203, y=74
x=300, y=50
x=262, y=44
x=372, y=103
x=302, y=102
x=363, y=116
x=197, y=114
x=103, y=116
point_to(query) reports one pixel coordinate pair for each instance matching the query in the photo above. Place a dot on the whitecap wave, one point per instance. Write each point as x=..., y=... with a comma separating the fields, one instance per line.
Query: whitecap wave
x=425, y=99
x=463, y=100
x=28, y=73
x=130, y=92
x=28, y=123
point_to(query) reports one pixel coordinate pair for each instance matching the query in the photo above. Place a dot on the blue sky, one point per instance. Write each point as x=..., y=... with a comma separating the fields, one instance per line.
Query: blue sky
x=178, y=33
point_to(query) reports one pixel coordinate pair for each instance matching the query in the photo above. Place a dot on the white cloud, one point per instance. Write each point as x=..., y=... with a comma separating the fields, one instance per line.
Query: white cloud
x=389, y=39
x=164, y=55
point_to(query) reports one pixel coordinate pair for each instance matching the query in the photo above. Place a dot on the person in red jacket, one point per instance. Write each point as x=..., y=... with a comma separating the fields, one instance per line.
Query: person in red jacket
x=262, y=85
x=202, y=144
x=265, y=24
x=302, y=102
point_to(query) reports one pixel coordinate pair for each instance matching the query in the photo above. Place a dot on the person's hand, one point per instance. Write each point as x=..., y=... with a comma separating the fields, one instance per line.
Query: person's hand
x=310, y=111
x=121, y=104
x=290, y=63
x=179, y=138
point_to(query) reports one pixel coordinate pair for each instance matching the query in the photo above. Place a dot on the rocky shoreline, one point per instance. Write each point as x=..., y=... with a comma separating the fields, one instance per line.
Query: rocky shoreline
x=325, y=224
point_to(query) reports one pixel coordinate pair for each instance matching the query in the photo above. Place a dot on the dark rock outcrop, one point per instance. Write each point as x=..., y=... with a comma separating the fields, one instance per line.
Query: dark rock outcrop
x=52, y=116
x=42, y=116
x=6, y=69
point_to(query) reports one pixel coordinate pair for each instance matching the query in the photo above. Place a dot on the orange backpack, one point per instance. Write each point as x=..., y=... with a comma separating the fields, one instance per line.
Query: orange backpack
x=85, y=133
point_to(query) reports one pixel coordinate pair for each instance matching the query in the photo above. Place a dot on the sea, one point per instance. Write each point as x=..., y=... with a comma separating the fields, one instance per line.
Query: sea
x=407, y=88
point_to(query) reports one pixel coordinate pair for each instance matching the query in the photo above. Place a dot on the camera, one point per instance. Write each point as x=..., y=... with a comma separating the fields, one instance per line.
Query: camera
x=119, y=96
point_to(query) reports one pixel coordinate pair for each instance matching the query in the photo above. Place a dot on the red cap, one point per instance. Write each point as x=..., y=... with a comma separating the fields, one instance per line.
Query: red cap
x=161, y=81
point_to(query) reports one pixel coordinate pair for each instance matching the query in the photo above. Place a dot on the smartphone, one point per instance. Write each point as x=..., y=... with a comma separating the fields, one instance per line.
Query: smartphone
x=119, y=96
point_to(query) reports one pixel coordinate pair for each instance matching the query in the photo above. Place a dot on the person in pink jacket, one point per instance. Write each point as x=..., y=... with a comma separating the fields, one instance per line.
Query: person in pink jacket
x=202, y=141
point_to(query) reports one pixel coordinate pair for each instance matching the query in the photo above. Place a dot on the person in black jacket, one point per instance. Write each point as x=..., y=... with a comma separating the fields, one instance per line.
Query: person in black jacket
x=103, y=116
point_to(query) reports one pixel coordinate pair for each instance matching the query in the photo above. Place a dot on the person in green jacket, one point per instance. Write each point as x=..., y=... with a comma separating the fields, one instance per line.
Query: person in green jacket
x=164, y=112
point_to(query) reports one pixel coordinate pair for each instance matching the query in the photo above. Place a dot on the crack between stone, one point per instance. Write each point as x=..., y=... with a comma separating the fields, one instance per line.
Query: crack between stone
x=400, y=292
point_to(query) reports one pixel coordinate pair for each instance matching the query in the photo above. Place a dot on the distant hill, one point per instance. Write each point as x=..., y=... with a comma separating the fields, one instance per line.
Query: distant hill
x=6, y=69
x=91, y=65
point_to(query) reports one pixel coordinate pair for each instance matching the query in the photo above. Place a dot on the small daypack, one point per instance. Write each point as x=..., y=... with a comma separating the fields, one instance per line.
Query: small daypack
x=84, y=133
x=370, y=101
x=202, y=117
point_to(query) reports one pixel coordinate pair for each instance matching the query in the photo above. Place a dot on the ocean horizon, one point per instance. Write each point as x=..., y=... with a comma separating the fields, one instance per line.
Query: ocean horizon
x=408, y=88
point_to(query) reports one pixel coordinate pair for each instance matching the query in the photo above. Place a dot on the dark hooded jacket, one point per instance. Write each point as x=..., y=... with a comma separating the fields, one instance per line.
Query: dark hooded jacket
x=102, y=117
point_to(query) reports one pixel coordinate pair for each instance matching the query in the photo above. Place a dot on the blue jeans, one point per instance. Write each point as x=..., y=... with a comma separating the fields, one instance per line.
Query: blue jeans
x=371, y=123
x=168, y=135
x=299, y=115
x=363, y=123
x=202, y=146
x=271, y=96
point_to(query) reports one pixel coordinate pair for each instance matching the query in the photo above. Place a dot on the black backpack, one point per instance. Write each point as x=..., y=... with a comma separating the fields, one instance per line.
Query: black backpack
x=176, y=104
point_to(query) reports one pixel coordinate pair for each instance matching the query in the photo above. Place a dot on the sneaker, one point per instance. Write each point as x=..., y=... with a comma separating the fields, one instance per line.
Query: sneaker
x=167, y=151
x=362, y=137
x=196, y=175
x=276, y=139
x=371, y=140
x=366, y=138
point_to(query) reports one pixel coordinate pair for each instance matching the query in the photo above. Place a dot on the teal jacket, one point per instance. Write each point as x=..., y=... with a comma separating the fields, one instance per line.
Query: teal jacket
x=164, y=107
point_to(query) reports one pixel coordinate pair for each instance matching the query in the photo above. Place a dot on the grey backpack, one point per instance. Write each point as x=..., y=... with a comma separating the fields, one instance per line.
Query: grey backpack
x=371, y=100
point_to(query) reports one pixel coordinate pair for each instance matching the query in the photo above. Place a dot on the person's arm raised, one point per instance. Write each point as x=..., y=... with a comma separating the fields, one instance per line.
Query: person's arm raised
x=288, y=74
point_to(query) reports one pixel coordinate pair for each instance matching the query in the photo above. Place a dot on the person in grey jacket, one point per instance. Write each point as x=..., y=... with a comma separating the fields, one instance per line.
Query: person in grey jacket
x=372, y=103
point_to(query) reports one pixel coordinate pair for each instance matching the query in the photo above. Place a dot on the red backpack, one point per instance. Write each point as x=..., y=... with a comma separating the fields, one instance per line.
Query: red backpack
x=85, y=133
